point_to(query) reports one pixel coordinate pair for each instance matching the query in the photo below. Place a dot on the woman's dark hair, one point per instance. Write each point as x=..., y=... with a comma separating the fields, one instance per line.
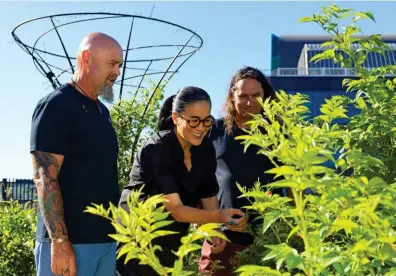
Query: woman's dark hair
x=246, y=72
x=178, y=103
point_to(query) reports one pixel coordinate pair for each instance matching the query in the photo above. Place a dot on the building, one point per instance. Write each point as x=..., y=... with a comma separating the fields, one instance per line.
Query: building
x=292, y=71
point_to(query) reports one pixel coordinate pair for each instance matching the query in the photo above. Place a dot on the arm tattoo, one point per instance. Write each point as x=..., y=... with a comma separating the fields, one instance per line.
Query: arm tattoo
x=46, y=169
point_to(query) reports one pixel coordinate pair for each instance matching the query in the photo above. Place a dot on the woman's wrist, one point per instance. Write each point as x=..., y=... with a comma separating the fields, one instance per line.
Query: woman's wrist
x=216, y=216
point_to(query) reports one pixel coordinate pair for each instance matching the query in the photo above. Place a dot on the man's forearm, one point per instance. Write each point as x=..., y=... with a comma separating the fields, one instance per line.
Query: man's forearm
x=46, y=169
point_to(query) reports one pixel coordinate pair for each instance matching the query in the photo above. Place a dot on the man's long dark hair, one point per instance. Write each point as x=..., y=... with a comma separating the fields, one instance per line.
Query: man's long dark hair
x=246, y=72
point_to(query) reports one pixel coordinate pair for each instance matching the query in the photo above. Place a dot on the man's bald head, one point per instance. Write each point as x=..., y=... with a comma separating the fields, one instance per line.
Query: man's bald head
x=97, y=41
x=99, y=59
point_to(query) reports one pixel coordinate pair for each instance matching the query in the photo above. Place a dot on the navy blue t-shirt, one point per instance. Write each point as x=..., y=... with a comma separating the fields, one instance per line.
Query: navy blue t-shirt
x=234, y=165
x=68, y=123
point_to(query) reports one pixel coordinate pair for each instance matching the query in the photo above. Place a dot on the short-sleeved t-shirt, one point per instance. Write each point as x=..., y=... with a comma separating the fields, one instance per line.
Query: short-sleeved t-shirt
x=235, y=165
x=68, y=123
x=159, y=165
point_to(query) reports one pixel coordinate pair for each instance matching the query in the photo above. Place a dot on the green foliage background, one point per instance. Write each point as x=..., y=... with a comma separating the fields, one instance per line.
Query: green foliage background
x=134, y=120
x=17, y=235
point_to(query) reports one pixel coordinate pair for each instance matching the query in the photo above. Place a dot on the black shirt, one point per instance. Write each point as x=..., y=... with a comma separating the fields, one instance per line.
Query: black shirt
x=68, y=123
x=159, y=165
x=234, y=165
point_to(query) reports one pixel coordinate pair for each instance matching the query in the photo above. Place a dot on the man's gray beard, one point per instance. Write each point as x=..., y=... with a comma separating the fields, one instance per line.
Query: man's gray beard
x=107, y=93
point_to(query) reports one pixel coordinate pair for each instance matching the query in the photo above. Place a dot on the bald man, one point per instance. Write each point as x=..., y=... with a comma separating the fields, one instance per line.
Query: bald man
x=74, y=152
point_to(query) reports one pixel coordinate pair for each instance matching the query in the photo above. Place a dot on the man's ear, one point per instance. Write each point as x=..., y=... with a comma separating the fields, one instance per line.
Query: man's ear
x=86, y=58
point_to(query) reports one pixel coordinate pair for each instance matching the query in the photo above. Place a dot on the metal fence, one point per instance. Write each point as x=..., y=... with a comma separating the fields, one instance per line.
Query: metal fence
x=22, y=190
x=316, y=72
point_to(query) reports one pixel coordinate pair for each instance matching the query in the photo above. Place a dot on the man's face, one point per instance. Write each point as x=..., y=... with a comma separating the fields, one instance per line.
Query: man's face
x=245, y=98
x=106, y=69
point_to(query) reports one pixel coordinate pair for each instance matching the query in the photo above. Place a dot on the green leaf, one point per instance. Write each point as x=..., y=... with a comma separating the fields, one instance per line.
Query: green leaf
x=248, y=270
x=283, y=252
x=93, y=211
x=120, y=238
x=120, y=229
x=157, y=216
x=284, y=184
x=327, y=43
x=317, y=58
x=361, y=246
x=270, y=218
x=389, y=85
x=177, y=268
x=161, y=233
x=370, y=15
x=128, y=247
x=314, y=160
x=388, y=251
x=292, y=232
x=294, y=260
x=329, y=54
x=300, y=109
x=188, y=248
x=160, y=224
x=361, y=103
x=331, y=261
x=305, y=19
x=345, y=224
x=347, y=63
x=282, y=170
x=377, y=182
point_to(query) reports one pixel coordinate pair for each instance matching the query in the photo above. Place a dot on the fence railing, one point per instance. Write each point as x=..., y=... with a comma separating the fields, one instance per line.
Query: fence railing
x=315, y=72
x=22, y=190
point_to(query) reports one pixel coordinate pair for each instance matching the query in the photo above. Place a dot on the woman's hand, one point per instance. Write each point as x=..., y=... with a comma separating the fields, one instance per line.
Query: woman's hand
x=238, y=225
x=218, y=245
x=234, y=219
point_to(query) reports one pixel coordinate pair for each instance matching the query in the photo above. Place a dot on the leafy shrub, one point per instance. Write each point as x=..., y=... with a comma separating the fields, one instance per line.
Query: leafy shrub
x=134, y=120
x=348, y=226
x=17, y=235
x=373, y=129
x=142, y=224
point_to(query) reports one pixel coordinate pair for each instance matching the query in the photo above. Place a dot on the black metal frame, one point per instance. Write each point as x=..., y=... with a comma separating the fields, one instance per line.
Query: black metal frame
x=46, y=68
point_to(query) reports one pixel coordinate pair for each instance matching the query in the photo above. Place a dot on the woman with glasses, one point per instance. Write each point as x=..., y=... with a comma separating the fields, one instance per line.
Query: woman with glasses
x=180, y=163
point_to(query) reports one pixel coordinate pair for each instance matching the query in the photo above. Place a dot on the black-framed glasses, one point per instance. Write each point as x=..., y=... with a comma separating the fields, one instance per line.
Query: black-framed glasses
x=194, y=122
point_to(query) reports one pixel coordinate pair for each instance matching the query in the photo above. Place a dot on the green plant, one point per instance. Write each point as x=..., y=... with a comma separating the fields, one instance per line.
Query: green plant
x=142, y=224
x=17, y=234
x=348, y=228
x=254, y=253
x=373, y=130
x=134, y=119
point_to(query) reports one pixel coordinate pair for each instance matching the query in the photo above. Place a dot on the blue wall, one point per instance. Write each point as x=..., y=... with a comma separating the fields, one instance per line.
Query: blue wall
x=317, y=98
x=317, y=88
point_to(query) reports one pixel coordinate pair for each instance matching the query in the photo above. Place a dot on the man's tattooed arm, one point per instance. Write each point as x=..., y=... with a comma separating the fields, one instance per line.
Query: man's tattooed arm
x=46, y=168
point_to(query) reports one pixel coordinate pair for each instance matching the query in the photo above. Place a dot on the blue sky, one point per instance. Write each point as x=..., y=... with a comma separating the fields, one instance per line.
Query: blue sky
x=234, y=34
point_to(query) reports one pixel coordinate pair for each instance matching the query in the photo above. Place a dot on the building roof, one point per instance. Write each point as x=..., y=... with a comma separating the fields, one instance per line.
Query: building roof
x=286, y=49
x=321, y=38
